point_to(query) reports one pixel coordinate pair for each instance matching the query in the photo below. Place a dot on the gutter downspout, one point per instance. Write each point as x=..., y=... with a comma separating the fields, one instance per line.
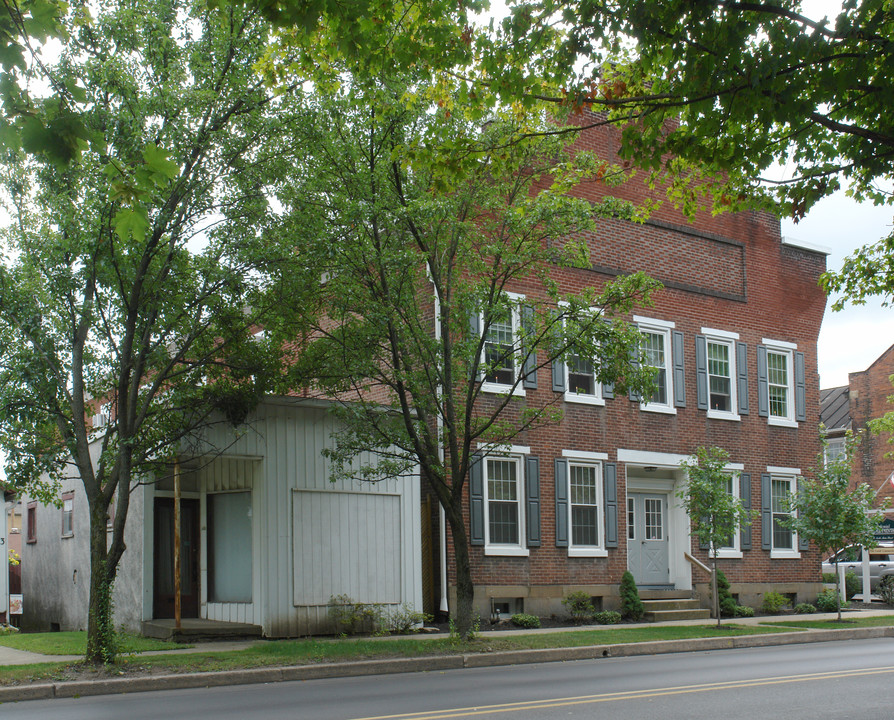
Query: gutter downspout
x=442, y=516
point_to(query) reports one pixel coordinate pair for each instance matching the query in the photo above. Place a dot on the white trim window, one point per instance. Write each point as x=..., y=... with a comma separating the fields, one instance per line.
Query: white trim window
x=585, y=510
x=501, y=352
x=784, y=538
x=580, y=381
x=731, y=548
x=504, y=524
x=722, y=377
x=782, y=393
x=656, y=349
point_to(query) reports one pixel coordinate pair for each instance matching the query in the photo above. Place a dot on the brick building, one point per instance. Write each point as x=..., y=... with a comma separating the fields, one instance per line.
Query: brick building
x=733, y=339
x=850, y=408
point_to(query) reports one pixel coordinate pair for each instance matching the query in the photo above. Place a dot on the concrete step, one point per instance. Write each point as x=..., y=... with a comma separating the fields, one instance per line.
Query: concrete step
x=687, y=603
x=686, y=614
x=194, y=629
x=669, y=594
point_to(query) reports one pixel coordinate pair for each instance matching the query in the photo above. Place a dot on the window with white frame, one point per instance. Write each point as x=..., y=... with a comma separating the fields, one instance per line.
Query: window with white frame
x=581, y=384
x=782, y=492
x=656, y=350
x=67, y=514
x=833, y=449
x=721, y=356
x=503, y=478
x=585, y=507
x=731, y=546
x=501, y=351
x=779, y=383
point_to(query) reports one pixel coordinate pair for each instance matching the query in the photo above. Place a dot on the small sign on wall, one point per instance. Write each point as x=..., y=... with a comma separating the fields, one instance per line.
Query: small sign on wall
x=15, y=604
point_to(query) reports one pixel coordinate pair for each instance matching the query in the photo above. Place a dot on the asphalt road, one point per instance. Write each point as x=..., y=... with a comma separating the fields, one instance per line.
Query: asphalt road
x=823, y=680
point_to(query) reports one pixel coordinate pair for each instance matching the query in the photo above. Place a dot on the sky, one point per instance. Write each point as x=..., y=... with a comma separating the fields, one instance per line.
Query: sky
x=850, y=340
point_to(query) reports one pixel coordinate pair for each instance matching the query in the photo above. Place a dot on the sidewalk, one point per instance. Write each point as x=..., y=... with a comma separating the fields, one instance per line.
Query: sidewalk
x=48, y=690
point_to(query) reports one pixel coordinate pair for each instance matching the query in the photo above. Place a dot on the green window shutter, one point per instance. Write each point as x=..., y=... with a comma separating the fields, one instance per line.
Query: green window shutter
x=679, y=369
x=529, y=352
x=532, y=501
x=803, y=543
x=476, y=501
x=745, y=497
x=766, y=513
x=610, y=488
x=475, y=334
x=634, y=362
x=800, y=389
x=558, y=376
x=763, y=386
x=561, y=502
x=742, y=372
x=701, y=372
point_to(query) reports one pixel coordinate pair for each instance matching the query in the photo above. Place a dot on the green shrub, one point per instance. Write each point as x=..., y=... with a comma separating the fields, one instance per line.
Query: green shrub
x=829, y=578
x=805, y=609
x=352, y=617
x=728, y=607
x=773, y=602
x=744, y=611
x=400, y=620
x=631, y=605
x=579, y=606
x=852, y=585
x=885, y=589
x=523, y=620
x=607, y=617
x=827, y=601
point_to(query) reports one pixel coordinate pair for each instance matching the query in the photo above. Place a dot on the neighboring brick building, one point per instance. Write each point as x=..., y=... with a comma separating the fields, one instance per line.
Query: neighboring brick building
x=734, y=335
x=851, y=407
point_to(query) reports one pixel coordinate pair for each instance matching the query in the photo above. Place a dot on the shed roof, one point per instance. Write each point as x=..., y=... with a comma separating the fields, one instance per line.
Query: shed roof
x=835, y=412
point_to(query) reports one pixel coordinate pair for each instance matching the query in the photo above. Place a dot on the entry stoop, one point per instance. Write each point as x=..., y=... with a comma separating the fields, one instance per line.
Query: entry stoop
x=661, y=605
x=194, y=629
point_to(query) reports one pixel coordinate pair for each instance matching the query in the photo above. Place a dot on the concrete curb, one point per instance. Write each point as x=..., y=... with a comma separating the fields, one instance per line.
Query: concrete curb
x=81, y=688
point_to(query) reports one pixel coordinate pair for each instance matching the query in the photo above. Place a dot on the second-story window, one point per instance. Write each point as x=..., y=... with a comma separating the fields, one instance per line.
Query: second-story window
x=502, y=351
x=67, y=514
x=657, y=353
x=781, y=387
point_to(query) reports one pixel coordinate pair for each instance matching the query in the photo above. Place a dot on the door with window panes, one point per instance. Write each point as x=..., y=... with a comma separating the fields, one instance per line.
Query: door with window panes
x=647, y=538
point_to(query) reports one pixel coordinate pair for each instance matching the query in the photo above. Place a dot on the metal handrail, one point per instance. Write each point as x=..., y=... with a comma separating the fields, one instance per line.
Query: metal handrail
x=697, y=562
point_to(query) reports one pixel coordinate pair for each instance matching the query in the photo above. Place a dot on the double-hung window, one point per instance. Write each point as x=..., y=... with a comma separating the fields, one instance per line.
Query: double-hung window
x=31, y=522
x=575, y=376
x=67, y=514
x=720, y=380
x=781, y=383
x=779, y=487
x=502, y=350
x=504, y=492
x=585, y=508
x=732, y=547
x=655, y=346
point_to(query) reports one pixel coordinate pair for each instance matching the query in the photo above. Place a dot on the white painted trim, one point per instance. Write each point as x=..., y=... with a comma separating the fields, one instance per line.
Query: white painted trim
x=656, y=408
x=494, y=449
x=734, y=466
x=785, y=554
x=581, y=398
x=777, y=470
x=584, y=552
x=780, y=344
x=723, y=334
x=584, y=455
x=806, y=245
x=506, y=550
x=721, y=415
x=501, y=389
x=729, y=554
x=654, y=322
x=646, y=457
x=782, y=422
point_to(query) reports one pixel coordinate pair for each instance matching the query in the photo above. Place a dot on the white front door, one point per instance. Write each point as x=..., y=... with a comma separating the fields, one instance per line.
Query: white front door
x=647, y=538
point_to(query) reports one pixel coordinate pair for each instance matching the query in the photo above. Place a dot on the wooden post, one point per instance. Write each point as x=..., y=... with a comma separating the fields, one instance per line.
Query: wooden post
x=177, y=544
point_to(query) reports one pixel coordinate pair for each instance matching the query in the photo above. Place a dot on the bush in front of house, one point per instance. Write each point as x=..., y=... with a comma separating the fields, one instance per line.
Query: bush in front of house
x=524, y=620
x=885, y=589
x=580, y=606
x=773, y=603
x=744, y=611
x=631, y=606
x=607, y=617
x=805, y=609
x=827, y=601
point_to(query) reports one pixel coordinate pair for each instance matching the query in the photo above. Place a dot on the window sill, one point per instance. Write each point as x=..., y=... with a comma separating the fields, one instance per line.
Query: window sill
x=500, y=389
x=720, y=415
x=587, y=552
x=729, y=554
x=785, y=555
x=582, y=399
x=663, y=409
x=506, y=551
x=782, y=422
x=32, y=541
x=67, y=535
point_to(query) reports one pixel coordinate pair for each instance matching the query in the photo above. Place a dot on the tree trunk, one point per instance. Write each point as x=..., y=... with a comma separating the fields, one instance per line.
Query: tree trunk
x=465, y=590
x=714, y=588
x=100, y=628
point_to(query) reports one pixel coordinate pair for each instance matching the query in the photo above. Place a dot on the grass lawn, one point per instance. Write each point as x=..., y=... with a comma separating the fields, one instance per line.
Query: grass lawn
x=302, y=652
x=75, y=643
x=847, y=621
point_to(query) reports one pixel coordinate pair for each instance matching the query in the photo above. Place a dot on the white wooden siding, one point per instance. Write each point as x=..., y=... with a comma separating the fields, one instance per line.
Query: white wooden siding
x=282, y=445
x=338, y=552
